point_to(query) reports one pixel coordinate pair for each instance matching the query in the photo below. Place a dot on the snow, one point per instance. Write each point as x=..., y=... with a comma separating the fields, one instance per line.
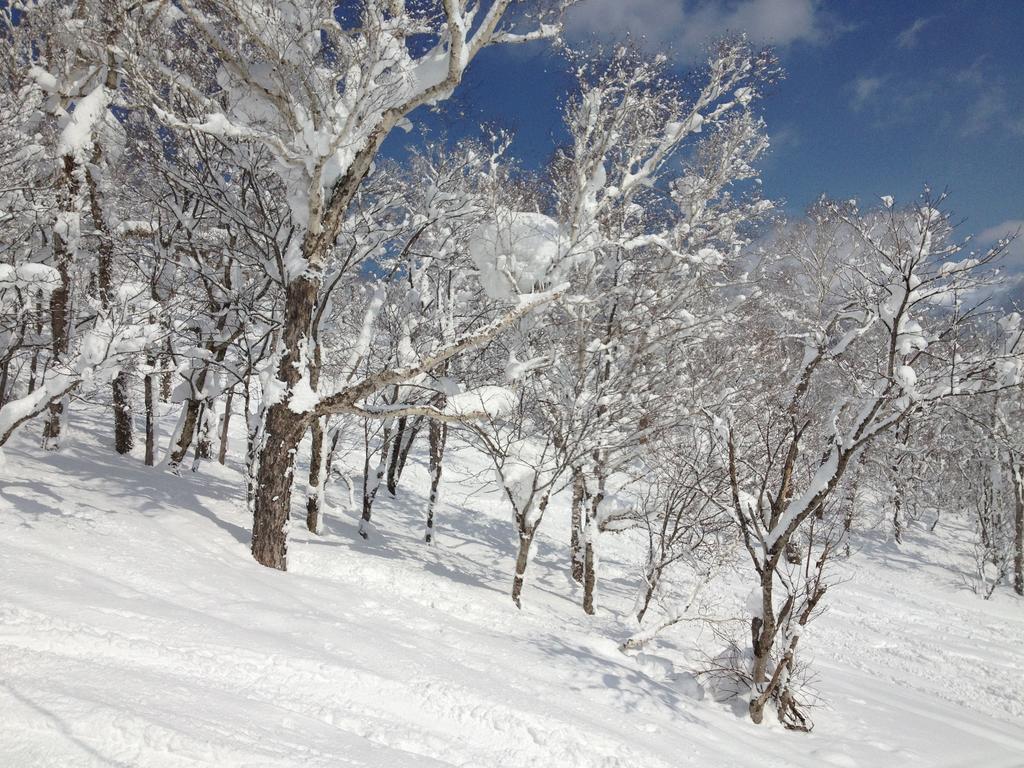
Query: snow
x=518, y=253
x=492, y=402
x=135, y=630
x=77, y=135
x=29, y=276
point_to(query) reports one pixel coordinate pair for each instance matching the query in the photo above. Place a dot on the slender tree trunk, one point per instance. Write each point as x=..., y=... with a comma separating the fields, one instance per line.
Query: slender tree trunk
x=589, y=544
x=204, y=445
x=124, y=427
x=653, y=574
x=438, y=435
x=166, y=359
x=316, y=454
x=187, y=430
x=1018, y=538
x=526, y=534
x=410, y=439
x=4, y=375
x=222, y=452
x=151, y=414
x=316, y=479
x=762, y=635
x=579, y=493
x=65, y=242
x=372, y=484
x=396, y=452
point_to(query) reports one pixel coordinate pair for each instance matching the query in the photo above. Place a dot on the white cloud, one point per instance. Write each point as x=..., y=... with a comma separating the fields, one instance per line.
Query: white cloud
x=1002, y=231
x=908, y=38
x=686, y=26
x=1013, y=259
x=864, y=88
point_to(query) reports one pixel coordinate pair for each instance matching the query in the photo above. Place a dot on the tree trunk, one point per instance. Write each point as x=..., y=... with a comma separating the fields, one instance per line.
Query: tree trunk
x=273, y=487
x=316, y=454
x=166, y=359
x=282, y=430
x=65, y=237
x=589, y=551
x=187, y=430
x=438, y=436
x=526, y=534
x=522, y=558
x=579, y=493
x=222, y=452
x=762, y=636
x=316, y=463
x=124, y=433
x=124, y=428
x=653, y=574
x=151, y=416
x=396, y=452
x=1018, y=538
x=372, y=484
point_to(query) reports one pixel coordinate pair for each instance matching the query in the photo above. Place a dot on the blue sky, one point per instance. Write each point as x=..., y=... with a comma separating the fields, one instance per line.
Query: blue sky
x=880, y=96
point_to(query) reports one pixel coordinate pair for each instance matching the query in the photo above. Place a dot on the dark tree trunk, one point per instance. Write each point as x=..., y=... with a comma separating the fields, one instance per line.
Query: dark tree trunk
x=396, y=452
x=316, y=461
x=282, y=430
x=151, y=416
x=438, y=435
x=204, y=445
x=410, y=438
x=272, y=492
x=1018, y=537
x=371, y=484
x=187, y=430
x=316, y=454
x=124, y=427
x=222, y=452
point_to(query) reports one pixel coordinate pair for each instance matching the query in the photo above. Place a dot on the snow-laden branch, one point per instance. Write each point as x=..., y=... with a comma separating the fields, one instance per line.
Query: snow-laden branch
x=349, y=399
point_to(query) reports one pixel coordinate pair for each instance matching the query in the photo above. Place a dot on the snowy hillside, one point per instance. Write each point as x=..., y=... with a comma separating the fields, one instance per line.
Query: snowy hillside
x=136, y=630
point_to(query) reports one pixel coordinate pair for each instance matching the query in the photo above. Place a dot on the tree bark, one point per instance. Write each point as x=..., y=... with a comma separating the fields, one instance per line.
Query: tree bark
x=522, y=559
x=372, y=485
x=396, y=452
x=316, y=454
x=1018, y=537
x=151, y=415
x=222, y=452
x=69, y=210
x=282, y=430
x=316, y=463
x=579, y=492
x=272, y=493
x=526, y=534
x=438, y=436
x=589, y=551
x=124, y=427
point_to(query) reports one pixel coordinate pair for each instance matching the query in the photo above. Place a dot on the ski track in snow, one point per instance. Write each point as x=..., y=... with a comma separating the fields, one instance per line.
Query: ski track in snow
x=135, y=630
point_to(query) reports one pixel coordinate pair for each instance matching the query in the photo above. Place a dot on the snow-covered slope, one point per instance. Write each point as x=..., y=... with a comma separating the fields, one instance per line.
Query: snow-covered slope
x=135, y=630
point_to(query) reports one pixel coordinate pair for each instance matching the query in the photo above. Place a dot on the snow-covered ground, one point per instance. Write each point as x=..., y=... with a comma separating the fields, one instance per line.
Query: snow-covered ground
x=135, y=630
